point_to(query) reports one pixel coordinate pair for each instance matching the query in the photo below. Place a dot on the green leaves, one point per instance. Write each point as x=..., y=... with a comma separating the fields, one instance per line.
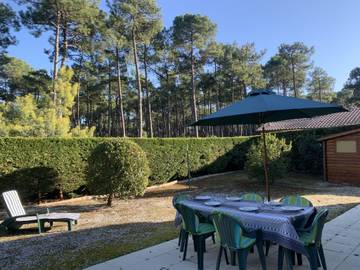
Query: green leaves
x=321, y=85
x=193, y=31
x=27, y=116
x=8, y=20
x=118, y=168
x=277, y=151
x=141, y=18
x=288, y=68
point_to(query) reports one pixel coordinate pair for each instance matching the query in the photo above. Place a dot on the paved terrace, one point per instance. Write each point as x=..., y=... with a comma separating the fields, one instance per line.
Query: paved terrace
x=341, y=240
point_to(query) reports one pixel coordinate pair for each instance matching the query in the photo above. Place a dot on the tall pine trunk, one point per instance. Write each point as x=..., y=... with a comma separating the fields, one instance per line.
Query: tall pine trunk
x=65, y=46
x=109, y=102
x=294, y=79
x=138, y=80
x=168, y=122
x=193, y=91
x=217, y=89
x=150, y=124
x=119, y=88
x=56, y=53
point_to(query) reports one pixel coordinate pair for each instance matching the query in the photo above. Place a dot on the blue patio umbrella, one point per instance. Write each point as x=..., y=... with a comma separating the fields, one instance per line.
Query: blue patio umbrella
x=263, y=106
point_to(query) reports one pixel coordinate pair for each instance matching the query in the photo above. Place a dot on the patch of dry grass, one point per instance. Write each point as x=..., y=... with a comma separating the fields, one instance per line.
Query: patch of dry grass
x=104, y=233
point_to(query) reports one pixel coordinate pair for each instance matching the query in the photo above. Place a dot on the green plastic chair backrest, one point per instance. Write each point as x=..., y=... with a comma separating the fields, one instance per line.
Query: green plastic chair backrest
x=252, y=197
x=317, y=225
x=296, y=201
x=228, y=229
x=179, y=198
x=189, y=217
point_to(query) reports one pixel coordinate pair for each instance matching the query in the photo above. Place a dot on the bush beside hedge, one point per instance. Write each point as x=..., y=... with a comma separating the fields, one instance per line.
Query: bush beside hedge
x=277, y=158
x=118, y=168
x=67, y=159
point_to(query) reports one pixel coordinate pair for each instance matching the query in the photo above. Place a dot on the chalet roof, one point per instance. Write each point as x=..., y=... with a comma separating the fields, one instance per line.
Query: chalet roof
x=350, y=118
x=341, y=134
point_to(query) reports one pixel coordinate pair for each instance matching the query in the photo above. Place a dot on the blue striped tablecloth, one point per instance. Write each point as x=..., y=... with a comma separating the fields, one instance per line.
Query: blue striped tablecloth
x=276, y=225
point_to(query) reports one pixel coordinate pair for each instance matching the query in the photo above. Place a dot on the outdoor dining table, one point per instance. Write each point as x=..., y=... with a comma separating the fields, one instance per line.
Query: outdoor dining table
x=274, y=222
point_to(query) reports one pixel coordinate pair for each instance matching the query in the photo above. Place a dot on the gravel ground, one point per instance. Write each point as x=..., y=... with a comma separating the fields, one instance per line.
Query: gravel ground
x=103, y=233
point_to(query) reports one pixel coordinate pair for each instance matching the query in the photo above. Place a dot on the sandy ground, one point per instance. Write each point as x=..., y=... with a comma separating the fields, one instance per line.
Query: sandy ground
x=103, y=233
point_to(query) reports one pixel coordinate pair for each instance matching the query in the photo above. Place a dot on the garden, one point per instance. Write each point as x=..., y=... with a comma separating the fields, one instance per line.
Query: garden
x=81, y=175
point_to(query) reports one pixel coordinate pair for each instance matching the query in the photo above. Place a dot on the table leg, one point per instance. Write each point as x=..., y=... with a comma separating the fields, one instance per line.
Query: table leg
x=39, y=227
x=232, y=257
x=69, y=225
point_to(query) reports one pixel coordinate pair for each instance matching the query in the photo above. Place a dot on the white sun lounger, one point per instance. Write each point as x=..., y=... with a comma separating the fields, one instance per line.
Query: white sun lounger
x=18, y=216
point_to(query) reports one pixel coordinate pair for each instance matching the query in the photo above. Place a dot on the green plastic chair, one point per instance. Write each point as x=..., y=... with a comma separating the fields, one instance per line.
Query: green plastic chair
x=199, y=231
x=294, y=200
x=231, y=234
x=311, y=238
x=178, y=199
x=252, y=197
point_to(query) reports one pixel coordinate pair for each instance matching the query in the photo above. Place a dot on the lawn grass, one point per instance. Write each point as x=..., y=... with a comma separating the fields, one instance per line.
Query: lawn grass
x=100, y=251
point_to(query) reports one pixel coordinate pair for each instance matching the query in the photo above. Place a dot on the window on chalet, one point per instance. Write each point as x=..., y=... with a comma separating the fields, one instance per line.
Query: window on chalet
x=346, y=147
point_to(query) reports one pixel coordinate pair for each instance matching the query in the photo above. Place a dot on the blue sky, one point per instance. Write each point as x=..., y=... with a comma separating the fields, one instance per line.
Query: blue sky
x=331, y=26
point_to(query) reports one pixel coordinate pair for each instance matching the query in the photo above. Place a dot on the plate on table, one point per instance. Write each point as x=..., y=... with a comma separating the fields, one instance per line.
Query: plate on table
x=248, y=208
x=202, y=198
x=212, y=203
x=233, y=198
x=275, y=203
x=291, y=208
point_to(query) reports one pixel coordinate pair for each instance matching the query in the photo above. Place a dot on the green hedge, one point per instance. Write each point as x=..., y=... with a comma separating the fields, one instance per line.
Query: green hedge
x=168, y=157
x=65, y=160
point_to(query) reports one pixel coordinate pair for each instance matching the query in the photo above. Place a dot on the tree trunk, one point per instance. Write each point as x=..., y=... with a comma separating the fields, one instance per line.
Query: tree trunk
x=244, y=92
x=293, y=78
x=138, y=80
x=87, y=109
x=119, y=88
x=56, y=53
x=168, y=114
x=193, y=91
x=65, y=46
x=217, y=89
x=109, y=102
x=150, y=125
x=78, y=93
x=110, y=199
x=284, y=88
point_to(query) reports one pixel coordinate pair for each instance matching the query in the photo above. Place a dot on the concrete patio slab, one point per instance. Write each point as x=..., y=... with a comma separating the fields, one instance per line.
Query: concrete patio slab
x=341, y=240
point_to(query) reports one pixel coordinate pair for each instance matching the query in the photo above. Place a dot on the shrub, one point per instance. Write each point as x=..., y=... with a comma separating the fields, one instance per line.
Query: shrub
x=118, y=168
x=277, y=151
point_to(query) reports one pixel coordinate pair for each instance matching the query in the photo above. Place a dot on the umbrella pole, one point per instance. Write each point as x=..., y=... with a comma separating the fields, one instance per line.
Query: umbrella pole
x=188, y=166
x=267, y=187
